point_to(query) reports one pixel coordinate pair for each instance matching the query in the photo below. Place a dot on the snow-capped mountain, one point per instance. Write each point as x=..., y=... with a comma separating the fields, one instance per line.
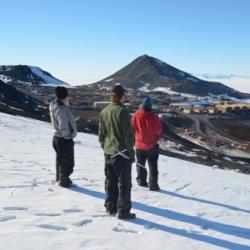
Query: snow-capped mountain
x=28, y=75
x=198, y=207
x=147, y=72
x=241, y=83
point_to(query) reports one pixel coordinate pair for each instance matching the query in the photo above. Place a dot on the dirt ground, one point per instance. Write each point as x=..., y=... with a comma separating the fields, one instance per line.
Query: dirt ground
x=189, y=151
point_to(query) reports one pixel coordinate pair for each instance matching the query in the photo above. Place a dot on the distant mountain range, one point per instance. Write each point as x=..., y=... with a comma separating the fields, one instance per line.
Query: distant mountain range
x=27, y=75
x=151, y=73
x=221, y=76
x=145, y=73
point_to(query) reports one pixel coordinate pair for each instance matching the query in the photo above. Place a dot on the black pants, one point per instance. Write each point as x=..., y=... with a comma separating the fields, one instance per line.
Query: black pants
x=117, y=184
x=152, y=156
x=64, y=157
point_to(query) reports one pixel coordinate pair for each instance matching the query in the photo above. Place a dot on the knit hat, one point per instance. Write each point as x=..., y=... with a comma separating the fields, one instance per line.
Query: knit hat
x=118, y=90
x=147, y=103
x=61, y=92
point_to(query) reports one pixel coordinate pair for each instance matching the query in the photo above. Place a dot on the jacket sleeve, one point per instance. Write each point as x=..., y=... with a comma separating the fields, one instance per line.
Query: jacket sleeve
x=133, y=125
x=51, y=115
x=101, y=132
x=73, y=127
x=63, y=123
x=127, y=134
x=157, y=126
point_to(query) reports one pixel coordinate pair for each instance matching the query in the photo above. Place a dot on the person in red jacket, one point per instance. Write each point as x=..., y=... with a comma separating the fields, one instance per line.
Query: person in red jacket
x=147, y=128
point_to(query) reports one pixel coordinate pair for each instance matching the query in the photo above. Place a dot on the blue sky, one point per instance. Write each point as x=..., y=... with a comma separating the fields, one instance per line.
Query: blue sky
x=82, y=41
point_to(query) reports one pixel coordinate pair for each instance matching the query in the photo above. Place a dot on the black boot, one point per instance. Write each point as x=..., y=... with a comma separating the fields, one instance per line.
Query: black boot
x=142, y=184
x=111, y=212
x=154, y=188
x=65, y=182
x=126, y=216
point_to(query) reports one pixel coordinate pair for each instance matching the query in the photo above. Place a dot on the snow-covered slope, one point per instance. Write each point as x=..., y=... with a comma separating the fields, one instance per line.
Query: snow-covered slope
x=48, y=79
x=198, y=207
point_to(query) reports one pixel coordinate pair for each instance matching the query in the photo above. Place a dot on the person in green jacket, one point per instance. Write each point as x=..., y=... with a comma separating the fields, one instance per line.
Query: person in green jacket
x=117, y=141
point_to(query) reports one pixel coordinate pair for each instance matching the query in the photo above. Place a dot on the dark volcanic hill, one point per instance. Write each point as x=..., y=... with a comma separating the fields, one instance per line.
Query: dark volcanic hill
x=15, y=102
x=152, y=72
x=28, y=75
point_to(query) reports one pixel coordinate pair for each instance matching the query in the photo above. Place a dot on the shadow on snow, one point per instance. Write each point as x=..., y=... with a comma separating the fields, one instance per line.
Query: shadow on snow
x=205, y=201
x=168, y=214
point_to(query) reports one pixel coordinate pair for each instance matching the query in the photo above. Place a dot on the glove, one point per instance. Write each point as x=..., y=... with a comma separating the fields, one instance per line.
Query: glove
x=132, y=156
x=132, y=159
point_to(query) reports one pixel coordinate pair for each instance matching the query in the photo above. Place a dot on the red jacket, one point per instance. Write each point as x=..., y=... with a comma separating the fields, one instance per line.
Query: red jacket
x=147, y=129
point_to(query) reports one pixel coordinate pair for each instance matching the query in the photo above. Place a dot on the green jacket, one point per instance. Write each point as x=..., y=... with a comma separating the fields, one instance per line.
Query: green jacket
x=115, y=132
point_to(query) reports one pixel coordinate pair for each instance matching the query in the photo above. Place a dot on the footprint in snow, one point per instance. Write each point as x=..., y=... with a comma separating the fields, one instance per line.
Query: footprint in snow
x=53, y=227
x=102, y=215
x=72, y=210
x=164, y=174
x=205, y=227
x=149, y=226
x=34, y=162
x=124, y=230
x=48, y=214
x=82, y=223
x=182, y=187
x=202, y=214
x=16, y=161
x=15, y=208
x=46, y=169
x=89, y=180
x=6, y=218
x=164, y=160
x=189, y=230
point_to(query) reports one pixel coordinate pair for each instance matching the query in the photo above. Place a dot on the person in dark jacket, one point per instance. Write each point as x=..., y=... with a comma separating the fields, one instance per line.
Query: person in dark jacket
x=116, y=139
x=147, y=129
x=65, y=130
